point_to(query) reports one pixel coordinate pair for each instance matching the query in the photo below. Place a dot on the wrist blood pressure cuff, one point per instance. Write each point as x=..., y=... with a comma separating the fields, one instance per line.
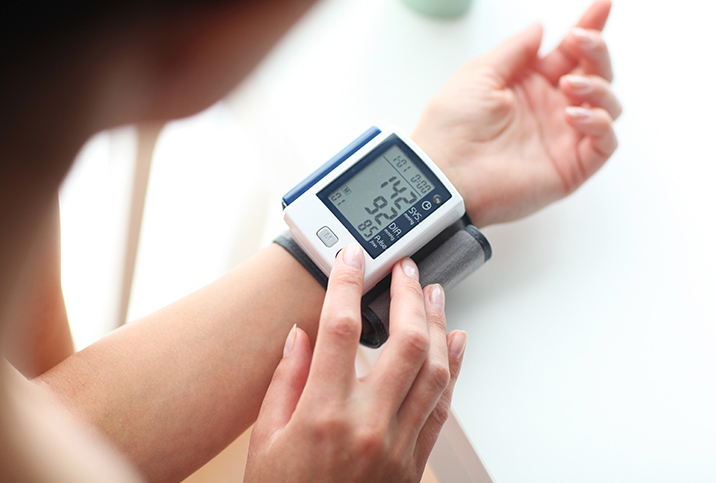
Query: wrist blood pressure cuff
x=447, y=259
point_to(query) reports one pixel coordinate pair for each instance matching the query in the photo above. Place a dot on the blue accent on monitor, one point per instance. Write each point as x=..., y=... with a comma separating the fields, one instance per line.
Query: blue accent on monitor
x=326, y=168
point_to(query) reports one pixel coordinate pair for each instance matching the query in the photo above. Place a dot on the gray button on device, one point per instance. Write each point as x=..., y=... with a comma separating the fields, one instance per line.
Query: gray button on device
x=327, y=236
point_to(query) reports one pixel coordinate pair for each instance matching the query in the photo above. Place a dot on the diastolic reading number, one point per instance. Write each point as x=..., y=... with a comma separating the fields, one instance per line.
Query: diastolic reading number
x=400, y=201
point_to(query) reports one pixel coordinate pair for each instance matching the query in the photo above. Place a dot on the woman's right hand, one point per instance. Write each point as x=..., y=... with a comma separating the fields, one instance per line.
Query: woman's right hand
x=321, y=423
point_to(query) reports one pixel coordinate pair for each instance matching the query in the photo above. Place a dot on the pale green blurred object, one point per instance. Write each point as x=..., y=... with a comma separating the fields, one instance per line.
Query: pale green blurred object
x=440, y=8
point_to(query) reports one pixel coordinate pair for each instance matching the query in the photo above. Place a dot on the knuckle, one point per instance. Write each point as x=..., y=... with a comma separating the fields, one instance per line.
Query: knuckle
x=329, y=425
x=407, y=286
x=605, y=145
x=601, y=88
x=608, y=146
x=594, y=43
x=598, y=123
x=601, y=84
x=371, y=442
x=441, y=413
x=416, y=342
x=438, y=374
x=604, y=118
x=438, y=321
x=344, y=325
x=600, y=45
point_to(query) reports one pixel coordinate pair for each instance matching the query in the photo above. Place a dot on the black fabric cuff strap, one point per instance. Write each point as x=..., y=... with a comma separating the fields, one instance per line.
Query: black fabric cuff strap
x=286, y=241
x=448, y=259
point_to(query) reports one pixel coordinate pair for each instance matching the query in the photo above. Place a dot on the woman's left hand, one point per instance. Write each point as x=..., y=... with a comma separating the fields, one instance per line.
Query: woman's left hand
x=515, y=132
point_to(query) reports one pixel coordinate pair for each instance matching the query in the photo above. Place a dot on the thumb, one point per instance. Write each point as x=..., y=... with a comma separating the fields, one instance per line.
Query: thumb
x=516, y=53
x=287, y=385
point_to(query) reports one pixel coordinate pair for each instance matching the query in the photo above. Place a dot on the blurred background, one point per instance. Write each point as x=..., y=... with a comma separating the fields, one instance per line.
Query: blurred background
x=592, y=331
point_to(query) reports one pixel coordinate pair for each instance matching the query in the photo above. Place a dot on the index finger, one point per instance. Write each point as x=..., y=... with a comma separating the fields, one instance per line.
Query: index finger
x=409, y=342
x=340, y=324
x=561, y=61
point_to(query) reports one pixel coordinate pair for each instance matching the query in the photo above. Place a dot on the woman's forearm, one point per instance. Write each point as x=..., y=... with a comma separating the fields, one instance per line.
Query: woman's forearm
x=174, y=388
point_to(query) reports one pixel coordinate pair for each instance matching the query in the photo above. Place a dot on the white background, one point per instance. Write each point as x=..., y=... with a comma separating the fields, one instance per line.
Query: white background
x=592, y=331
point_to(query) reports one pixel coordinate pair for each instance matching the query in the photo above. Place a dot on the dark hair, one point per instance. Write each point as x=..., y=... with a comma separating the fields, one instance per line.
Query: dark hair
x=28, y=27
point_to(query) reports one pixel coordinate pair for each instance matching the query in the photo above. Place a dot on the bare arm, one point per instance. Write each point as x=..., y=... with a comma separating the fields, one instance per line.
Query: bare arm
x=513, y=131
x=174, y=388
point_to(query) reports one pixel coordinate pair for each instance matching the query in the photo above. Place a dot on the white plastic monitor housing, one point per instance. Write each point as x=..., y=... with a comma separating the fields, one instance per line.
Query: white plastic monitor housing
x=308, y=214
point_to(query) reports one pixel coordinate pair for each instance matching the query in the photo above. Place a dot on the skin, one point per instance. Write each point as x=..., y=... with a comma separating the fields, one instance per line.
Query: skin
x=169, y=391
x=391, y=417
x=44, y=340
x=506, y=116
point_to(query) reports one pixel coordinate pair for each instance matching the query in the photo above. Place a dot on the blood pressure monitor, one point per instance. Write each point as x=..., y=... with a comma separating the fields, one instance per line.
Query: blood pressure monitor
x=381, y=191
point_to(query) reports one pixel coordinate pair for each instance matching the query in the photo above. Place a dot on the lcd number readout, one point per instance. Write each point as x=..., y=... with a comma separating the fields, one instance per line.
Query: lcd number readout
x=381, y=192
x=408, y=220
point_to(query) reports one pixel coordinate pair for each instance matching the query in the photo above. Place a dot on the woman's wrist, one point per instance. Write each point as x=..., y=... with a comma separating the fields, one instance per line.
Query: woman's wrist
x=441, y=155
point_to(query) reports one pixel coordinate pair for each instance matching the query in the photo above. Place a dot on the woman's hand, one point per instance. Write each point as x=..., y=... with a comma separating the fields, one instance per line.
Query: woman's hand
x=320, y=423
x=515, y=132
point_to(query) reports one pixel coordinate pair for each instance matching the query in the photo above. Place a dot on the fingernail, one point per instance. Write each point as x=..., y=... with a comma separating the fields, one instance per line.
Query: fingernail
x=585, y=37
x=457, y=345
x=580, y=85
x=579, y=113
x=290, y=341
x=353, y=256
x=437, y=297
x=410, y=269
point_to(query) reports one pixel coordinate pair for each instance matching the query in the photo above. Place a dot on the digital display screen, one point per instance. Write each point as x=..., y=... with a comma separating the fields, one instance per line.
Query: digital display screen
x=384, y=195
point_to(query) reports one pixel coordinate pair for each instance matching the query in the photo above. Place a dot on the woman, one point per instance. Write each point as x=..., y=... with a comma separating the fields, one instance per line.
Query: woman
x=158, y=398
